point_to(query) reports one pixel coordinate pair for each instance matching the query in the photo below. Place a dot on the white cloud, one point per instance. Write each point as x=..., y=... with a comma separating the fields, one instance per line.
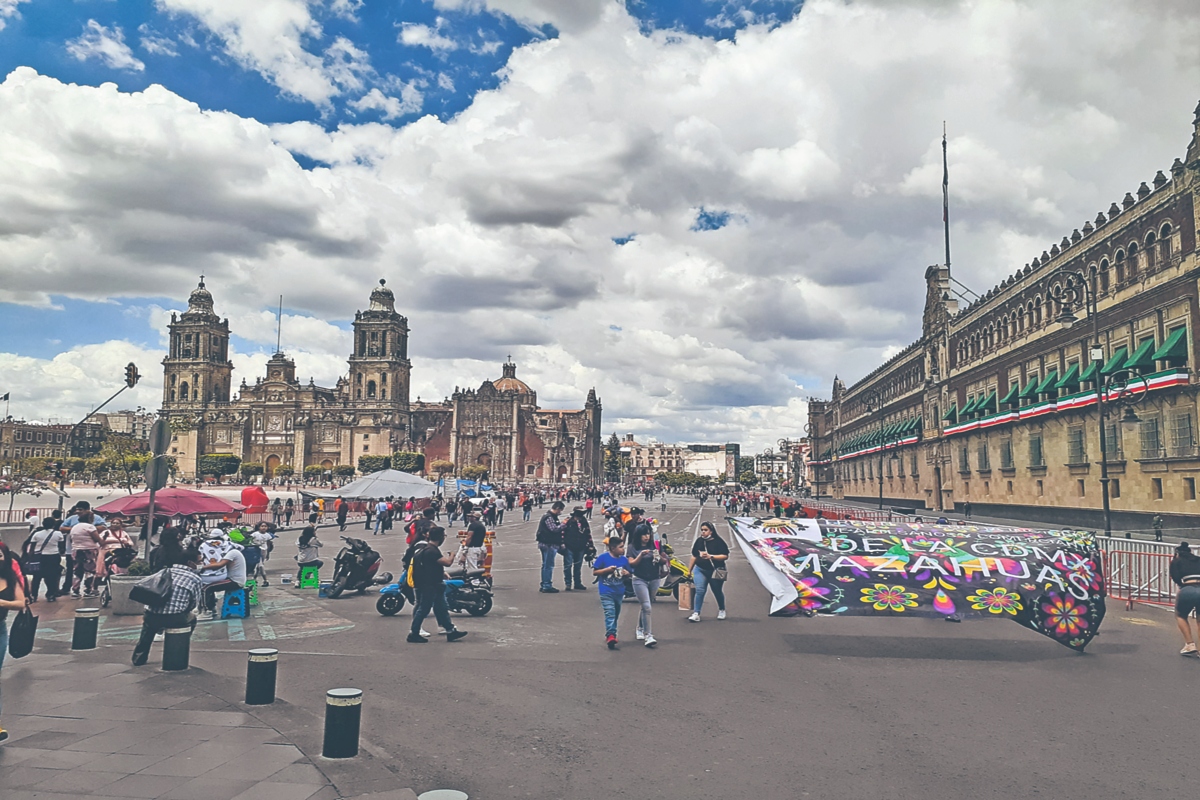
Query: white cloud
x=390, y=107
x=416, y=35
x=106, y=45
x=8, y=10
x=155, y=43
x=496, y=227
x=268, y=36
x=346, y=9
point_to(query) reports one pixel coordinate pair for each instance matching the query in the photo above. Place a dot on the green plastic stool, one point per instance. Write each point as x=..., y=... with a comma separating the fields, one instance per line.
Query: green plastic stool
x=252, y=591
x=309, y=578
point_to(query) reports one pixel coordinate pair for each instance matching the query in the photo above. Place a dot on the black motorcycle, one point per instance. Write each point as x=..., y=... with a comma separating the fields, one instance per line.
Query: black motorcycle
x=356, y=568
x=467, y=592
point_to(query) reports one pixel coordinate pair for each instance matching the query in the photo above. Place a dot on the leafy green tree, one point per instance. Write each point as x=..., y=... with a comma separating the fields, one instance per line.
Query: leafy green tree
x=218, y=465
x=314, y=471
x=748, y=478
x=251, y=469
x=369, y=464
x=343, y=470
x=441, y=467
x=285, y=471
x=407, y=461
x=473, y=472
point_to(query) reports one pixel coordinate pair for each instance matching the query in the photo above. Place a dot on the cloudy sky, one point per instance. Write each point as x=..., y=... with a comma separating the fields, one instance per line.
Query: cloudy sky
x=705, y=209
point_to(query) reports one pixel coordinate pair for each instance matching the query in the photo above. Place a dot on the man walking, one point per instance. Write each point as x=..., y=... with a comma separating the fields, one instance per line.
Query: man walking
x=550, y=540
x=429, y=575
x=577, y=538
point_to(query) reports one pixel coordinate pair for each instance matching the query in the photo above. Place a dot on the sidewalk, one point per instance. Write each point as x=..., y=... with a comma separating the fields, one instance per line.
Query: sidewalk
x=87, y=724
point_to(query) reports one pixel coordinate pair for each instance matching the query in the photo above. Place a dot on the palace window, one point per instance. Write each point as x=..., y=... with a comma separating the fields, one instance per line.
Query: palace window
x=1076, y=446
x=981, y=457
x=1036, y=457
x=1164, y=241
x=1150, y=440
x=1006, y=454
x=1182, y=438
x=964, y=464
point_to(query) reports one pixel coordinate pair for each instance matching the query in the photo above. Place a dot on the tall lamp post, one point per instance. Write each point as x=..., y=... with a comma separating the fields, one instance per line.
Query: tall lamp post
x=873, y=400
x=1077, y=286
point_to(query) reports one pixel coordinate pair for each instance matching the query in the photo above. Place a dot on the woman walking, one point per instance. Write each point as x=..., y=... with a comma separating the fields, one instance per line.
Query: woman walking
x=1185, y=572
x=709, y=566
x=289, y=508
x=12, y=598
x=645, y=561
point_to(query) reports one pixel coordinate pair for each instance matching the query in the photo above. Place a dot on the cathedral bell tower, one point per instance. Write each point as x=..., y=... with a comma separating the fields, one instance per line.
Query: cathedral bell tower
x=379, y=365
x=197, y=370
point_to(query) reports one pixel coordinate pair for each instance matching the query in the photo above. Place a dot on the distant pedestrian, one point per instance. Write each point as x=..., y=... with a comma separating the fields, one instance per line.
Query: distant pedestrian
x=577, y=540
x=710, y=553
x=289, y=508
x=501, y=507
x=1185, y=572
x=277, y=511
x=967, y=509
x=526, y=508
x=1157, y=524
x=611, y=568
x=550, y=541
x=343, y=511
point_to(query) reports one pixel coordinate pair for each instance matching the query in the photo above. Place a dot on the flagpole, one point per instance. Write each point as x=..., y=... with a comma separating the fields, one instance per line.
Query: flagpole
x=946, y=195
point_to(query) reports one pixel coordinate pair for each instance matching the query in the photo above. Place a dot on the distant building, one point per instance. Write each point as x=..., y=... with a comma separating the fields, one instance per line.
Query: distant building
x=135, y=424
x=648, y=460
x=20, y=439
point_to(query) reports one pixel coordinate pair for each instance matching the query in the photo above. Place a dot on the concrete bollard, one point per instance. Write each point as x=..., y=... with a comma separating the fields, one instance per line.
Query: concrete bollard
x=343, y=718
x=87, y=624
x=177, y=649
x=260, y=676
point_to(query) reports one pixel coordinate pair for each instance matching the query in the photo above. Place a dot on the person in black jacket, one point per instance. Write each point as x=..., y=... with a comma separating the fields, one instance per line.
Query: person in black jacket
x=550, y=541
x=1185, y=572
x=577, y=539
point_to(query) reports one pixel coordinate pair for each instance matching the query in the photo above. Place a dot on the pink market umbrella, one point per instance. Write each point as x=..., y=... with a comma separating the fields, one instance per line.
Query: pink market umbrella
x=169, y=502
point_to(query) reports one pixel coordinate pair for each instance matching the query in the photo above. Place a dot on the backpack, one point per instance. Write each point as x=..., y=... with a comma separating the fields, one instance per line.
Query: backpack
x=412, y=562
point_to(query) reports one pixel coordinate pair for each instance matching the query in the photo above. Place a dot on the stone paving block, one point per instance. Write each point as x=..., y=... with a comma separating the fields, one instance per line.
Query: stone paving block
x=394, y=794
x=84, y=782
x=123, y=762
x=144, y=786
x=55, y=759
x=260, y=763
x=183, y=765
x=299, y=773
x=270, y=790
x=161, y=746
x=100, y=743
x=53, y=740
x=24, y=776
x=208, y=789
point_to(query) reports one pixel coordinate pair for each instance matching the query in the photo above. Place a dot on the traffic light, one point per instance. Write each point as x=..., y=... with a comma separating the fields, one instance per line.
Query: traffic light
x=131, y=375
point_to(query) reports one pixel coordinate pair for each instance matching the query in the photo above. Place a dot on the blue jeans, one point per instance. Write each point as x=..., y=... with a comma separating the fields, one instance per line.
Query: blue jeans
x=703, y=584
x=549, y=551
x=572, y=566
x=434, y=600
x=611, y=603
x=526, y=514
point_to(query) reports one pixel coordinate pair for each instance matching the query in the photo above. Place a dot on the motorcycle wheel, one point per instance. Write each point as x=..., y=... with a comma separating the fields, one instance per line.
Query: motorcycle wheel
x=389, y=604
x=339, y=586
x=481, y=608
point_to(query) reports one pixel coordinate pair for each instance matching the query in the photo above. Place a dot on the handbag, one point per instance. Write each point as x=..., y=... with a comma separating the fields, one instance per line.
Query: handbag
x=153, y=590
x=31, y=563
x=718, y=573
x=21, y=634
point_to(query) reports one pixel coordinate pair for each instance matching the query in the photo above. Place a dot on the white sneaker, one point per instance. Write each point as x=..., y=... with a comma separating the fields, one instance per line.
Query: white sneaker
x=694, y=617
x=651, y=641
x=721, y=614
x=442, y=631
x=639, y=634
x=425, y=633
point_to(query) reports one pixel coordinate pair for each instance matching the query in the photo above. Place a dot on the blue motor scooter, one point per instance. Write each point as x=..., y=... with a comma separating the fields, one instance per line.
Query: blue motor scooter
x=466, y=591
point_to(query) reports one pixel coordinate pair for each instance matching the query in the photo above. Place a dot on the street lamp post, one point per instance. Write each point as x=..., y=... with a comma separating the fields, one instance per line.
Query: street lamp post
x=1077, y=285
x=874, y=402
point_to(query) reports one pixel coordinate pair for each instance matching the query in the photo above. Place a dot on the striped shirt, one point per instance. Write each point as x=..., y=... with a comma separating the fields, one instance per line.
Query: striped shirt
x=185, y=591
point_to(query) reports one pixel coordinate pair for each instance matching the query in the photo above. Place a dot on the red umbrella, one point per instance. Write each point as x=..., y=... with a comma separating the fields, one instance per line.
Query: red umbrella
x=169, y=502
x=254, y=498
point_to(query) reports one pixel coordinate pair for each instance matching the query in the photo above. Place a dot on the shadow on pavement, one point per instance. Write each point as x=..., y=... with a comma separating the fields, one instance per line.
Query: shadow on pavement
x=940, y=649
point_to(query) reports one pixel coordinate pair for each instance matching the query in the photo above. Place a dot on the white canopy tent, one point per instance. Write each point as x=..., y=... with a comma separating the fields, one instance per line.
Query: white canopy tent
x=388, y=483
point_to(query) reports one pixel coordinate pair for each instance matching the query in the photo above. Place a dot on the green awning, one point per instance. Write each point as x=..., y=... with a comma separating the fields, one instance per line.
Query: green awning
x=1070, y=380
x=1011, y=398
x=912, y=425
x=1030, y=389
x=986, y=404
x=1142, y=358
x=1114, y=363
x=1048, y=384
x=1089, y=374
x=952, y=414
x=1175, y=347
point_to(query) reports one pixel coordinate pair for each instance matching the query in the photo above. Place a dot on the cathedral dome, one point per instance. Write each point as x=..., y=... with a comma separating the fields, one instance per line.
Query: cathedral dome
x=201, y=299
x=382, y=299
x=509, y=382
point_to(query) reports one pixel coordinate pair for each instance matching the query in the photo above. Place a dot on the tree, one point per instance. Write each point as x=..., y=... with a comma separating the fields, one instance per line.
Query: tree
x=369, y=464
x=250, y=469
x=440, y=467
x=612, y=459
x=344, y=470
x=748, y=478
x=473, y=472
x=17, y=479
x=407, y=461
x=218, y=464
x=284, y=471
x=314, y=471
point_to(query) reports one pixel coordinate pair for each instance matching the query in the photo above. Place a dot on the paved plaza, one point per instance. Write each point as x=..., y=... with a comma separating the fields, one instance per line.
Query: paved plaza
x=532, y=705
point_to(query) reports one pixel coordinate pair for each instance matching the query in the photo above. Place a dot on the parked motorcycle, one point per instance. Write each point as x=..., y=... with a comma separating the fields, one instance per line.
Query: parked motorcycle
x=466, y=591
x=356, y=568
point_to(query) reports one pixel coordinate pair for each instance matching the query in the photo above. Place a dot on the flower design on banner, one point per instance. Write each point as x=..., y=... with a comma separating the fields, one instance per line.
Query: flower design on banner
x=889, y=598
x=783, y=548
x=1064, y=616
x=811, y=593
x=997, y=601
x=1086, y=569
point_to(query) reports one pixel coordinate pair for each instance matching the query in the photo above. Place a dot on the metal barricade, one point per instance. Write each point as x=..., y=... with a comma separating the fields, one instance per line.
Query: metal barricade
x=1139, y=577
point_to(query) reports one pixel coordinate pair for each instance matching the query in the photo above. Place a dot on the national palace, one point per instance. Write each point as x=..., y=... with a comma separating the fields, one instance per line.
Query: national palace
x=996, y=404
x=282, y=420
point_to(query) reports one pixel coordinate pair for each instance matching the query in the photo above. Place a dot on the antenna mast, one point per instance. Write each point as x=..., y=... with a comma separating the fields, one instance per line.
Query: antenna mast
x=279, y=327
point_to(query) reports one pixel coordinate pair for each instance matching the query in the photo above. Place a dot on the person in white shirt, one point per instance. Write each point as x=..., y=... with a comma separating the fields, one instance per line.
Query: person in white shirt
x=47, y=545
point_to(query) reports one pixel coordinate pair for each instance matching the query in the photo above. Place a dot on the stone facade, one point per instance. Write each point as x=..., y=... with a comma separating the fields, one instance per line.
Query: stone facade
x=996, y=404
x=280, y=420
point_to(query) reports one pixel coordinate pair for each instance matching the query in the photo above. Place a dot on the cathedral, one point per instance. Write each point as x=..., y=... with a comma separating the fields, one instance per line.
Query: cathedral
x=281, y=421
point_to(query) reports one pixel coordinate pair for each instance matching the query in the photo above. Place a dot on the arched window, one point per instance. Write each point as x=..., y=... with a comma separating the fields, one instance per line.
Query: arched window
x=1037, y=312
x=172, y=380
x=1151, y=250
x=370, y=390
x=1164, y=242
x=172, y=395
x=383, y=393
x=358, y=394
x=383, y=379
x=1133, y=260
x=1103, y=273
x=183, y=392
x=358, y=379
x=1120, y=261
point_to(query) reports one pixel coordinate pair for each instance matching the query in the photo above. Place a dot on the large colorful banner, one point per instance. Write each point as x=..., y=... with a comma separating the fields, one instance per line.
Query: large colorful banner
x=1048, y=581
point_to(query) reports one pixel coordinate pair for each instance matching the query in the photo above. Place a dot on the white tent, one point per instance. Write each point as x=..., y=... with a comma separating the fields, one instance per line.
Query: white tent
x=388, y=483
